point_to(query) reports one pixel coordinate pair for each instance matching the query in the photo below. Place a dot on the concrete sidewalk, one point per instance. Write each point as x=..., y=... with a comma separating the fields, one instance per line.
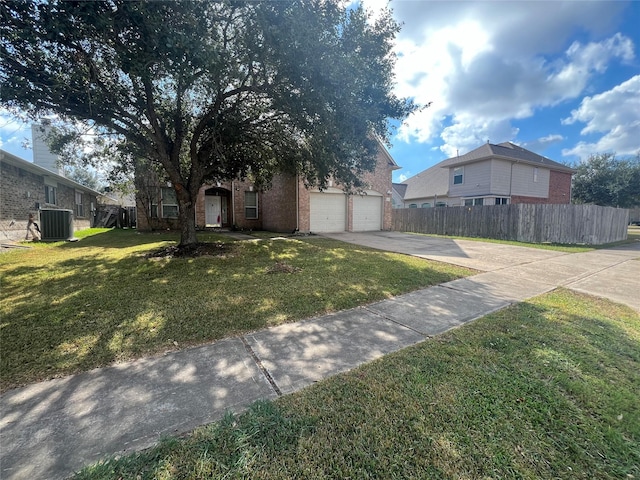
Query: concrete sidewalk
x=51, y=429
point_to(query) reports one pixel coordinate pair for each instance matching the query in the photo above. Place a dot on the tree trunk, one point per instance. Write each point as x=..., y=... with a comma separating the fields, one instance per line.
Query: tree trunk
x=187, y=221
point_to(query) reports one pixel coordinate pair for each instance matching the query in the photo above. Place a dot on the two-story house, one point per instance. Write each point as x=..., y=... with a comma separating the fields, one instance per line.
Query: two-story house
x=490, y=175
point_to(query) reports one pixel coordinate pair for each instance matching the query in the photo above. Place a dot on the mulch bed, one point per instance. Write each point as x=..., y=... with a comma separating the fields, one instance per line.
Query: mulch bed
x=216, y=249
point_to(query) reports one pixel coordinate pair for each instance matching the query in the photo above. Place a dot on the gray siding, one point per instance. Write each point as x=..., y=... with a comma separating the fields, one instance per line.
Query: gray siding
x=476, y=181
x=524, y=185
x=500, y=177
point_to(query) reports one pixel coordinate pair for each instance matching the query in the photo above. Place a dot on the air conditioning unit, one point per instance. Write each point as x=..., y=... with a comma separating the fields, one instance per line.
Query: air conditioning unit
x=56, y=224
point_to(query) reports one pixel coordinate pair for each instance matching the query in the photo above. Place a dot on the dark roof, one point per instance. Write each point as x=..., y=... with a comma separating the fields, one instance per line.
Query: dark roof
x=428, y=183
x=508, y=151
x=401, y=188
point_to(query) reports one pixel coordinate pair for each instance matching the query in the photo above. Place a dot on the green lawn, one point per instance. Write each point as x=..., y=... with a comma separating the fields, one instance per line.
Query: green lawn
x=68, y=307
x=548, y=388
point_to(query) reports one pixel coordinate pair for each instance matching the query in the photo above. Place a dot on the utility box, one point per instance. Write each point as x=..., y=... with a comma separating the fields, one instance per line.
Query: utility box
x=56, y=224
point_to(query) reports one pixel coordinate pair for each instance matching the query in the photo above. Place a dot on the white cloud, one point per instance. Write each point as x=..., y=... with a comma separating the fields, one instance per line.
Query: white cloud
x=539, y=144
x=482, y=64
x=480, y=89
x=616, y=113
x=468, y=133
x=403, y=176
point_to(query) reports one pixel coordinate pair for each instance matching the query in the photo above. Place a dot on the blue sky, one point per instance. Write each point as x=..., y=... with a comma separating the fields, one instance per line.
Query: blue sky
x=559, y=78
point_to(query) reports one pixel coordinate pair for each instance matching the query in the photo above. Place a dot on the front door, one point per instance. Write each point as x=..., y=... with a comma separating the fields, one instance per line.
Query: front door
x=213, y=211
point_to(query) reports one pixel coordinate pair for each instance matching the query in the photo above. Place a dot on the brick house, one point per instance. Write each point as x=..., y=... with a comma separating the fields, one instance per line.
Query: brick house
x=29, y=188
x=286, y=206
x=490, y=175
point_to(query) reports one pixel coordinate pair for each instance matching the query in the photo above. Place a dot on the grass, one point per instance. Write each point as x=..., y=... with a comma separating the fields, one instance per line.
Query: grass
x=548, y=388
x=633, y=235
x=70, y=307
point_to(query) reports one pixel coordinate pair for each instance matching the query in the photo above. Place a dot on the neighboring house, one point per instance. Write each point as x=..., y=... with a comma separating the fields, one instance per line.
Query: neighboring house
x=429, y=188
x=29, y=188
x=491, y=175
x=287, y=206
x=397, y=196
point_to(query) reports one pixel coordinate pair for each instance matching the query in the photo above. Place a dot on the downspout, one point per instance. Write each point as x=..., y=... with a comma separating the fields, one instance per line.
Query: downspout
x=511, y=181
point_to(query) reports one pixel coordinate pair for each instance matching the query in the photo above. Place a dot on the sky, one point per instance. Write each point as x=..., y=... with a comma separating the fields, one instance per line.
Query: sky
x=559, y=78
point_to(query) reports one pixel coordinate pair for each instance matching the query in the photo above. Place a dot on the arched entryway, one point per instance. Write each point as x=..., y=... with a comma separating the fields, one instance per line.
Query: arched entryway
x=216, y=207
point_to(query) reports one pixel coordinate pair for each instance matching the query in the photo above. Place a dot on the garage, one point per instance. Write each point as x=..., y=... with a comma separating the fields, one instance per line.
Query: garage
x=327, y=211
x=367, y=212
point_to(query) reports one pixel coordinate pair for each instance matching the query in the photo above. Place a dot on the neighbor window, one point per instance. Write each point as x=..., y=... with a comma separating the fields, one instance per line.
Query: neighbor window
x=441, y=204
x=426, y=205
x=169, y=203
x=502, y=201
x=535, y=174
x=50, y=194
x=79, y=205
x=251, y=205
x=413, y=205
x=473, y=201
x=458, y=175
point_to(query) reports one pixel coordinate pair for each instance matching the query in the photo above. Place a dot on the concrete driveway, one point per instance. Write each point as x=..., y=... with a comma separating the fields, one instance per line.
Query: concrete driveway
x=483, y=256
x=612, y=273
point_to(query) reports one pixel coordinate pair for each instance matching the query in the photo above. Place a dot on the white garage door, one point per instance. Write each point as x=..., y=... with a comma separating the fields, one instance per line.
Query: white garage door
x=367, y=212
x=327, y=212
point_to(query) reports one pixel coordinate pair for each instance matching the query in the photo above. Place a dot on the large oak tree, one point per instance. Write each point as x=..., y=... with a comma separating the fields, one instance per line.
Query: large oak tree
x=206, y=91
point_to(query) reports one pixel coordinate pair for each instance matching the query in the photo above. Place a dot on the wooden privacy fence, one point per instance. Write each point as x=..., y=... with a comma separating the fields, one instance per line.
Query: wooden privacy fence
x=580, y=224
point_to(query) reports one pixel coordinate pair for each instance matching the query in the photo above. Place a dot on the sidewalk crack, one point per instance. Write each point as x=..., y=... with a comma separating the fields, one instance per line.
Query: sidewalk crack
x=261, y=366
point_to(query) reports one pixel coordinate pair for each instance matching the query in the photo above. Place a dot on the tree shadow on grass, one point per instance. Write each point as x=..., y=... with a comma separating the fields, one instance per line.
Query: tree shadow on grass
x=92, y=310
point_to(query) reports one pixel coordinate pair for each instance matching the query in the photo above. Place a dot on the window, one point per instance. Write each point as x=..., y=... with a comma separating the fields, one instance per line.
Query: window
x=169, y=203
x=413, y=205
x=251, y=205
x=502, y=201
x=473, y=201
x=50, y=194
x=426, y=205
x=441, y=204
x=535, y=174
x=79, y=205
x=458, y=175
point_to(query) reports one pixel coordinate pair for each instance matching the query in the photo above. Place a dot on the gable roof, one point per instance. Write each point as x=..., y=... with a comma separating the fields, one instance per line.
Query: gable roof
x=400, y=188
x=38, y=170
x=507, y=151
x=383, y=149
x=428, y=183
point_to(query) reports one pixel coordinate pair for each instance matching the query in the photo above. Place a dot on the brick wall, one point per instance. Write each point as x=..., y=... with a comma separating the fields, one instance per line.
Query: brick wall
x=239, y=217
x=279, y=205
x=559, y=187
x=304, y=208
x=380, y=181
x=21, y=190
x=559, y=190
